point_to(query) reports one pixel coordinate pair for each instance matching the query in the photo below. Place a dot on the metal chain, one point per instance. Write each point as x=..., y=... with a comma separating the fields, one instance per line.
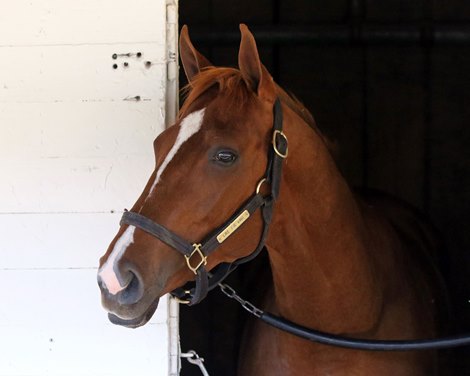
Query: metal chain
x=231, y=293
x=192, y=357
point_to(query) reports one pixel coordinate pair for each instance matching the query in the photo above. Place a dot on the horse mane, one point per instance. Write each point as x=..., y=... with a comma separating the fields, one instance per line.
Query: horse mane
x=231, y=82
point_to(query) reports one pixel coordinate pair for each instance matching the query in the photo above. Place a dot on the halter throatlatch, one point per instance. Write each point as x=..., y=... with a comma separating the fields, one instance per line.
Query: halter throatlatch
x=196, y=253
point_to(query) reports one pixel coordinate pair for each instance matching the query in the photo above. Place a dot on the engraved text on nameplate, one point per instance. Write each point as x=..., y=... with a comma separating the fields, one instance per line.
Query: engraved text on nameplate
x=233, y=226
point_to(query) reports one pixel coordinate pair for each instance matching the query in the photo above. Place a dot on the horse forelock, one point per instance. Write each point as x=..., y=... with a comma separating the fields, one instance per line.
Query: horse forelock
x=230, y=83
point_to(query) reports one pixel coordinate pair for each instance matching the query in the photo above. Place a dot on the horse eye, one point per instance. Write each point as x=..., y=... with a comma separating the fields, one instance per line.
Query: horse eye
x=225, y=157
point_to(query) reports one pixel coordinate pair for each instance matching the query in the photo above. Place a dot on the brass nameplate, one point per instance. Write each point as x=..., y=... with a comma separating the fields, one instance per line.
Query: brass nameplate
x=229, y=230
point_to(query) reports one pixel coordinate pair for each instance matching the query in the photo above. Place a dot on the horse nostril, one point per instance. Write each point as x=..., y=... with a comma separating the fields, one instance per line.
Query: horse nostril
x=101, y=284
x=133, y=291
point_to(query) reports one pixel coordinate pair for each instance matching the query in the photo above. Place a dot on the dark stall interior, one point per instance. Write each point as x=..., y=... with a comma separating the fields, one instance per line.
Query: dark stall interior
x=389, y=82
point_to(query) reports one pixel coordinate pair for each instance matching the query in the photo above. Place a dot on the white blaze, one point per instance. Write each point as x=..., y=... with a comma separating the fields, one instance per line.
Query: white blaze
x=106, y=272
x=189, y=126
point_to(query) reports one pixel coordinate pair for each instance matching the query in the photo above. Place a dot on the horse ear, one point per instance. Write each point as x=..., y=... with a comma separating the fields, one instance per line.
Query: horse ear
x=192, y=60
x=253, y=71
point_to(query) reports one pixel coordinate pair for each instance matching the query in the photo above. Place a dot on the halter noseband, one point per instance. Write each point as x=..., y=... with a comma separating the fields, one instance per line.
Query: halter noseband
x=196, y=254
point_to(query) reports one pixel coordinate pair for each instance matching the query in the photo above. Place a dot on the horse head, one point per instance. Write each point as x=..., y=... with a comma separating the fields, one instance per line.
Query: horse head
x=206, y=165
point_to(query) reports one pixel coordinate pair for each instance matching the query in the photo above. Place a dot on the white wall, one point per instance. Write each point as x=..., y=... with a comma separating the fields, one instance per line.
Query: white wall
x=74, y=151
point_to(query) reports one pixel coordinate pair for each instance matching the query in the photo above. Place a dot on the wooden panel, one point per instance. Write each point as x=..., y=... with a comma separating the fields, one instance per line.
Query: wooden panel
x=328, y=81
x=98, y=150
x=67, y=332
x=80, y=73
x=49, y=22
x=74, y=145
x=396, y=129
x=80, y=130
x=73, y=185
x=51, y=241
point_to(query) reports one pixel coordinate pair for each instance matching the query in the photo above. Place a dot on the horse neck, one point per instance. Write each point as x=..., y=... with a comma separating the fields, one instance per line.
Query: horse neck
x=323, y=275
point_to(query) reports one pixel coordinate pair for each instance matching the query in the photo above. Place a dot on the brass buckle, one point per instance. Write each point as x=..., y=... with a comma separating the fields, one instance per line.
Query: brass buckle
x=197, y=249
x=276, y=150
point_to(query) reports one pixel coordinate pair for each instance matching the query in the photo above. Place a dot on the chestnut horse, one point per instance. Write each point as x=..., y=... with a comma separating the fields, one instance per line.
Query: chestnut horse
x=340, y=263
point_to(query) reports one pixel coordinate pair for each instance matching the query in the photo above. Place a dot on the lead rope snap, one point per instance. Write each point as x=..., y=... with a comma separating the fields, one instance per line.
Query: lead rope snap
x=192, y=357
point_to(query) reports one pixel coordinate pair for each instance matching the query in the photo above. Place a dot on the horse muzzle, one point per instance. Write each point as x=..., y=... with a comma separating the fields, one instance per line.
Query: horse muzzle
x=129, y=307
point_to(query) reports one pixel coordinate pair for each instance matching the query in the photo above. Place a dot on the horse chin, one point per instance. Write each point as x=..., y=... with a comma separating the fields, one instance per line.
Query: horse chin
x=134, y=322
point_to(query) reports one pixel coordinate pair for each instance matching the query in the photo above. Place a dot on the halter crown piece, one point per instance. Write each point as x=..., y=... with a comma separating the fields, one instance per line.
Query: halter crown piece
x=196, y=253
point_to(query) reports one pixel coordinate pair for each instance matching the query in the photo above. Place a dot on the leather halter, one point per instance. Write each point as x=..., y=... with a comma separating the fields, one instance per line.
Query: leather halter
x=196, y=253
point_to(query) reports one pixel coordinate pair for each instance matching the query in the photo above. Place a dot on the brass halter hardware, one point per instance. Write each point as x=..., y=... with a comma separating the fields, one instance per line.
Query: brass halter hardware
x=261, y=182
x=197, y=249
x=276, y=150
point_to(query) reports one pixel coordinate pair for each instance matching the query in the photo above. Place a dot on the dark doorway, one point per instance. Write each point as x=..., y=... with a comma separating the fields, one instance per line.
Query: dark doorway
x=389, y=81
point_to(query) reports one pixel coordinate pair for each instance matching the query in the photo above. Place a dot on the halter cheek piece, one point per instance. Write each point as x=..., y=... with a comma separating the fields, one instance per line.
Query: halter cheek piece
x=196, y=253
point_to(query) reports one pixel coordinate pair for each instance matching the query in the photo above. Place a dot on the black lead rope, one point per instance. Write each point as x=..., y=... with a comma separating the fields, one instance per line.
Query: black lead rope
x=363, y=344
x=345, y=342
